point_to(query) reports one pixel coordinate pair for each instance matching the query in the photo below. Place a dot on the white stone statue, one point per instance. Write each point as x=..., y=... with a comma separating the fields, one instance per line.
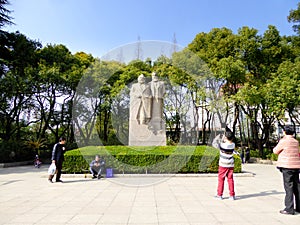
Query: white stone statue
x=146, y=126
x=141, y=101
x=158, y=93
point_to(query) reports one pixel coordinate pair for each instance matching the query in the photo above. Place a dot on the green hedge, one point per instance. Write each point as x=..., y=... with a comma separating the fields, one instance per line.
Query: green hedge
x=162, y=159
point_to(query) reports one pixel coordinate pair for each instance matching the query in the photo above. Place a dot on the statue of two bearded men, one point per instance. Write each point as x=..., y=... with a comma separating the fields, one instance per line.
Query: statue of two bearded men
x=146, y=112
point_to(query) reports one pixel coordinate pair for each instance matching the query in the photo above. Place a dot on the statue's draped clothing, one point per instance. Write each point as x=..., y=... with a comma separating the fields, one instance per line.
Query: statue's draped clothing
x=141, y=102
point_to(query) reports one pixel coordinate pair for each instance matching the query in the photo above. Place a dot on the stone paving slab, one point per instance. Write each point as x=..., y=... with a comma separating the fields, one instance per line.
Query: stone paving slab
x=26, y=197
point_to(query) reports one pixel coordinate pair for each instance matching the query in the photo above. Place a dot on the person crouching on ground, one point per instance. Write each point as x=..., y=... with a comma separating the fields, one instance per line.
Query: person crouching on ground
x=226, y=165
x=289, y=164
x=97, y=166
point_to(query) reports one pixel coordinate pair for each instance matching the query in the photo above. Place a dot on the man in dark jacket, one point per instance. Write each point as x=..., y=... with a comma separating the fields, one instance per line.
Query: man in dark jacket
x=58, y=158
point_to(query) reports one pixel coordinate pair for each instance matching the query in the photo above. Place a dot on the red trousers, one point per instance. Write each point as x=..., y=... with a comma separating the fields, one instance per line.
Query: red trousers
x=223, y=173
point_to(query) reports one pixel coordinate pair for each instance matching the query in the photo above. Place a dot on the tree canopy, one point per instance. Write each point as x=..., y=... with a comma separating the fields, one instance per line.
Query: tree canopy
x=246, y=80
x=5, y=18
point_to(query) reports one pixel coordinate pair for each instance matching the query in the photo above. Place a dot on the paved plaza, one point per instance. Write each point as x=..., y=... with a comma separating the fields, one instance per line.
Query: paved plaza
x=26, y=197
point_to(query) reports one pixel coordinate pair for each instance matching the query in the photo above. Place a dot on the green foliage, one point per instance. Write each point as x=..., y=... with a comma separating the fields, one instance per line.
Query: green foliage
x=36, y=145
x=164, y=159
x=283, y=89
x=267, y=154
x=11, y=151
x=254, y=154
x=4, y=14
x=272, y=156
x=294, y=17
x=257, y=74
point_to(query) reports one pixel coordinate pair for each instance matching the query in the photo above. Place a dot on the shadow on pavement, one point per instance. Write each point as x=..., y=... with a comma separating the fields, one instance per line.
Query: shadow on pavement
x=23, y=169
x=79, y=181
x=10, y=182
x=260, y=194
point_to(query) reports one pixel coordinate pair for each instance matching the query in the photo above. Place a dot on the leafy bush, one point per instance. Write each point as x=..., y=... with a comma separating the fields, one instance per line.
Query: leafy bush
x=12, y=151
x=162, y=159
x=267, y=154
x=272, y=156
x=254, y=154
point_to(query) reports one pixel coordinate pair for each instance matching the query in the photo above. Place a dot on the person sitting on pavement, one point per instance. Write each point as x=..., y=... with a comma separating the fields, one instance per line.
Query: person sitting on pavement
x=37, y=161
x=97, y=166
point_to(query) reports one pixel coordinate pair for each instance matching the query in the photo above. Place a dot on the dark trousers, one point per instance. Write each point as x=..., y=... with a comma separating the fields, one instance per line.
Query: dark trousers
x=58, y=165
x=58, y=169
x=292, y=189
x=96, y=170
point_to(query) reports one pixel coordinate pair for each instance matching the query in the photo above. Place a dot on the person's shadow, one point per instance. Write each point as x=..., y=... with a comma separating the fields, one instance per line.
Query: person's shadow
x=260, y=194
x=81, y=180
x=11, y=181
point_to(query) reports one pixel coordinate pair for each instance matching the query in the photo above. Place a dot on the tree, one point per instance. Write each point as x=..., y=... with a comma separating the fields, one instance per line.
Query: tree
x=294, y=17
x=93, y=102
x=120, y=82
x=283, y=92
x=16, y=81
x=194, y=75
x=4, y=14
x=58, y=74
x=262, y=60
x=242, y=64
x=218, y=49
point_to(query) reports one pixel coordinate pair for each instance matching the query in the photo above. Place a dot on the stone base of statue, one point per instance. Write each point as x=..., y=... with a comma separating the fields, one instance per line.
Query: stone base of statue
x=151, y=134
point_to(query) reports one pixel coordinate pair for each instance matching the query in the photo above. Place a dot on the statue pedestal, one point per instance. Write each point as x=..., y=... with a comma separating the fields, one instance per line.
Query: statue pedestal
x=142, y=135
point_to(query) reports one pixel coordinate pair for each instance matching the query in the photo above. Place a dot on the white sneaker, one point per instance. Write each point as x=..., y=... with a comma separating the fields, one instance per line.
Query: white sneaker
x=232, y=198
x=219, y=197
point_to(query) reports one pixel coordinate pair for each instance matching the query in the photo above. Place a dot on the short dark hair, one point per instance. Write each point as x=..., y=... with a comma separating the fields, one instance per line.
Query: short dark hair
x=229, y=135
x=289, y=130
x=62, y=139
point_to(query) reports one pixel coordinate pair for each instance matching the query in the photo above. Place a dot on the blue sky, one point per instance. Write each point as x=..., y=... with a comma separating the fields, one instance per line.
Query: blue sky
x=98, y=26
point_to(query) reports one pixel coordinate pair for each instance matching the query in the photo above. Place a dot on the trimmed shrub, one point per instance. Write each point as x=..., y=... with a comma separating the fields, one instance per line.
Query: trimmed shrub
x=159, y=159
